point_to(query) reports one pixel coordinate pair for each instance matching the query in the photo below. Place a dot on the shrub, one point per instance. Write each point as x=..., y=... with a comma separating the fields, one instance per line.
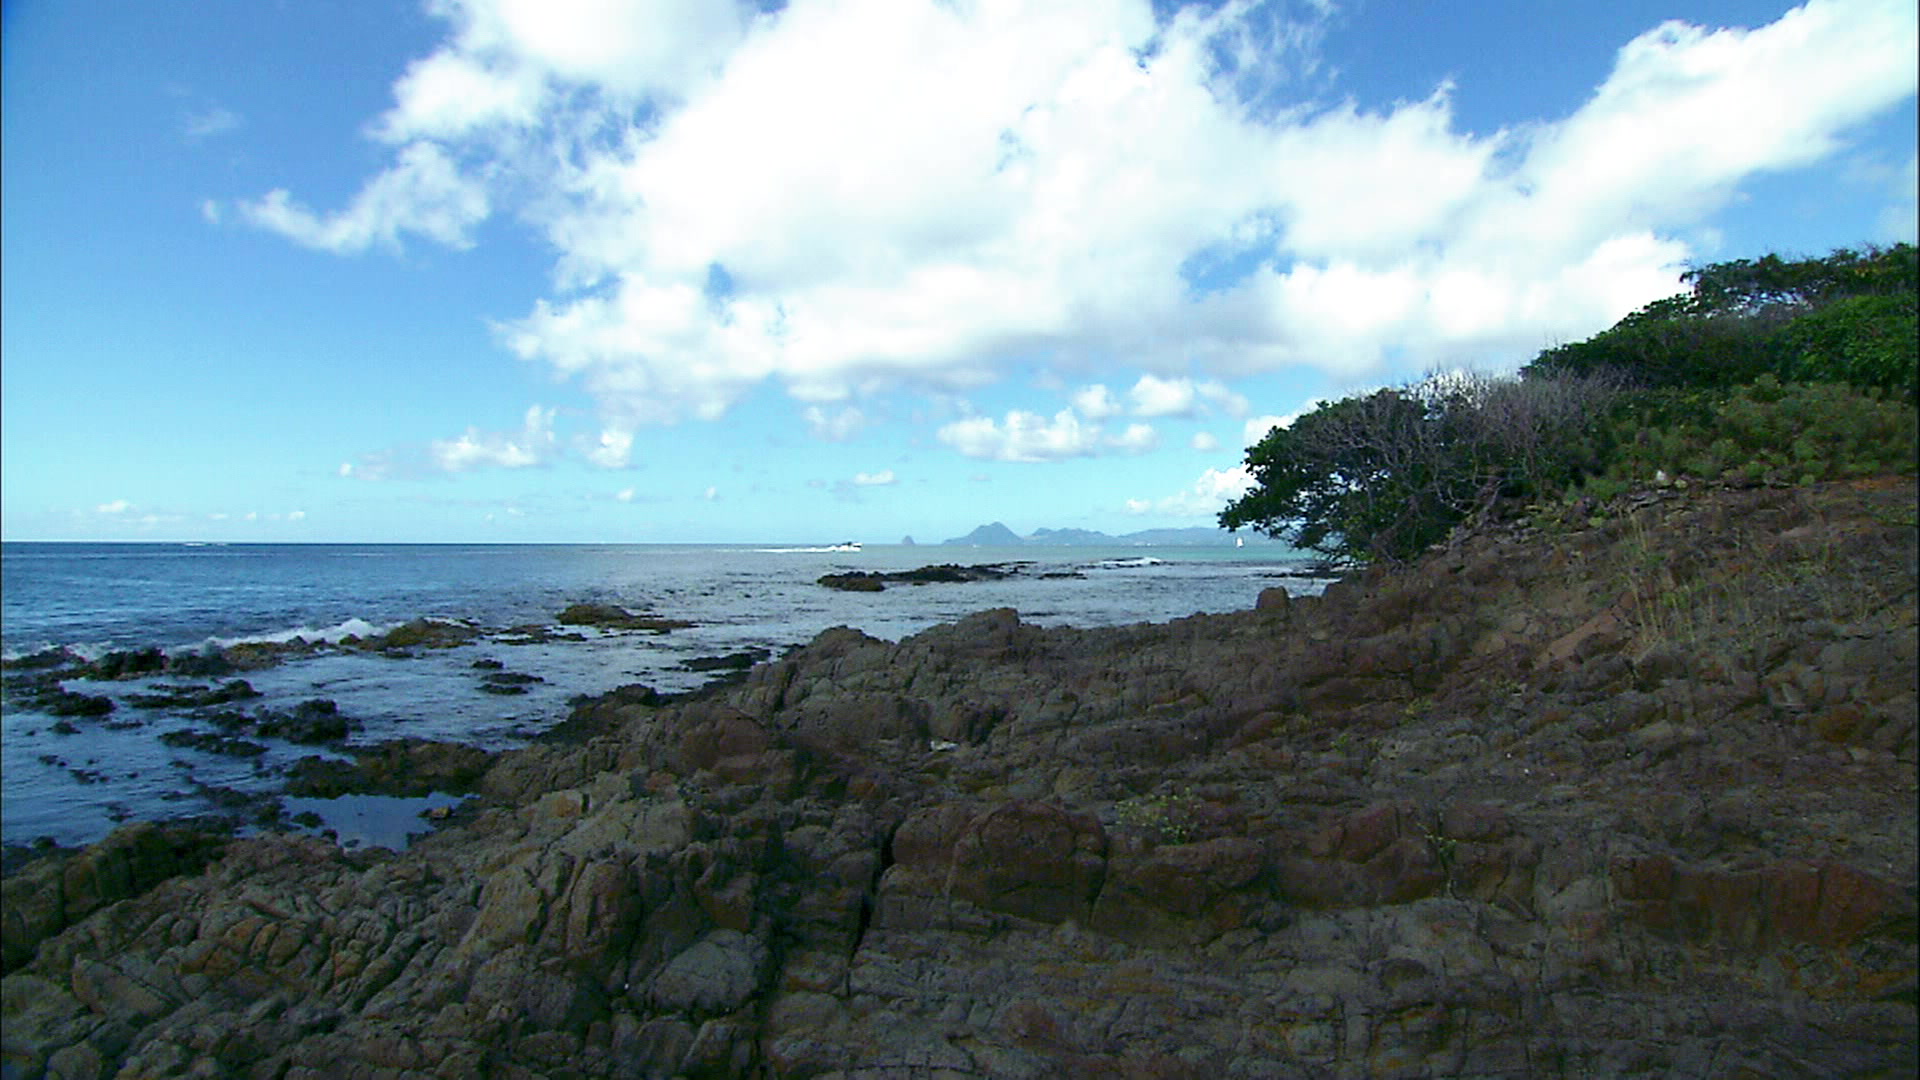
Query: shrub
x=1767, y=432
x=1862, y=340
x=1381, y=478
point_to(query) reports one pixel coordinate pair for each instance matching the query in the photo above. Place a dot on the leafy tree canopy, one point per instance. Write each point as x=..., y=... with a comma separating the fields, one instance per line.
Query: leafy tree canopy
x=1848, y=317
x=1765, y=370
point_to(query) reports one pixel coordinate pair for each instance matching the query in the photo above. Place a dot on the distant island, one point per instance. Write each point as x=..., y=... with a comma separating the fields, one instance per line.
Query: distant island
x=997, y=534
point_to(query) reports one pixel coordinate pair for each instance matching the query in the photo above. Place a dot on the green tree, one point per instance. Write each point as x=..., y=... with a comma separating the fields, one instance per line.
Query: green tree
x=1381, y=478
x=1846, y=317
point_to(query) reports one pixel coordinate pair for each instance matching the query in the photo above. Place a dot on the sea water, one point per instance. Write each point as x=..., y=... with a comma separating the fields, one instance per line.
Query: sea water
x=73, y=781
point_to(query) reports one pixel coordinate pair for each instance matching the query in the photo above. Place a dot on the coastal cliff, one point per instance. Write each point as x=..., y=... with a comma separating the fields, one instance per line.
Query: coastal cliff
x=1627, y=796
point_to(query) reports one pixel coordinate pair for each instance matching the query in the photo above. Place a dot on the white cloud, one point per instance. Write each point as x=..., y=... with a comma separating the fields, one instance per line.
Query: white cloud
x=879, y=479
x=424, y=193
x=533, y=444
x=904, y=192
x=449, y=94
x=712, y=494
x=1153, y=396
x=614, y=450
x=117, y=506
x=1208, y=495
x=1024, y=436
x=1256, y=428
x=624, y=495
x=1204, y=440
x=1137, y=439
x=837, y=426
x=1096, y=402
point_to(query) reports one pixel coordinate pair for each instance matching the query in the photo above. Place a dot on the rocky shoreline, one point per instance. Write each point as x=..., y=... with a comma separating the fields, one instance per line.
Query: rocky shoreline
x=1628, y=797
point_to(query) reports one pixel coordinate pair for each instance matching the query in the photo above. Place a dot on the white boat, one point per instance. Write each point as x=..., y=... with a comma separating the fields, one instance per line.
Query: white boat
x=846, y=545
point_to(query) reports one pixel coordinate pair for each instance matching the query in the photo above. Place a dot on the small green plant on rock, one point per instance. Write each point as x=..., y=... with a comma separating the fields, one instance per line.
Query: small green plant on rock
x=1168, y=818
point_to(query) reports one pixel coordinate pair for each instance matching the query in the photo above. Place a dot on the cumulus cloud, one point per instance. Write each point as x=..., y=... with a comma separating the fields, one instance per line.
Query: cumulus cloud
x=117, y=506
x=1022, y=436
x=1207, y=496
x=1136, y=439
x=1156, y=396
x=910, y=193
x=1096, y=402
x=1204, y=440
x=533, y=444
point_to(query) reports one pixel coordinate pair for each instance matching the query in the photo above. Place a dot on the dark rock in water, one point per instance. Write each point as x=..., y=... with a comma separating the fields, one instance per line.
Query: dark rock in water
x=194, y=697
x=739, y=661
x=535, y=634
x=61, y=702
x=488, y=665
x=404, y=767
x=948, y=573
x=856, y=581
x=126, y=665
x=613, y=617
x=425, y=633
x=213, y=744
x=209, y=664
x=508, y=682
x=44, y=660
x=314, y=722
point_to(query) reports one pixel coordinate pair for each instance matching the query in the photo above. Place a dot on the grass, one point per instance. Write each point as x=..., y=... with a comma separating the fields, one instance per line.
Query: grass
x=1743, y=595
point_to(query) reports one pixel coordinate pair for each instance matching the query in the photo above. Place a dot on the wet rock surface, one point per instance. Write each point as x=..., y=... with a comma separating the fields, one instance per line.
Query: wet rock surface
x=1632, y=800
x=613, y=617
x=944, y=573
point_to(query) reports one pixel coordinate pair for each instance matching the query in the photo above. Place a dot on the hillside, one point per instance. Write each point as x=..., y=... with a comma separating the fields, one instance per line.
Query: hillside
x=1631, y=798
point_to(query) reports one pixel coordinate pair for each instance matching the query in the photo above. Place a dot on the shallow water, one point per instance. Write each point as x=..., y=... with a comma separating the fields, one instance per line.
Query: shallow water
x=95, y=597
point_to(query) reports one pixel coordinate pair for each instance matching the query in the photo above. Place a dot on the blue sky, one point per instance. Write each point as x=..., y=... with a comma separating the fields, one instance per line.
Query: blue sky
x=477, y=270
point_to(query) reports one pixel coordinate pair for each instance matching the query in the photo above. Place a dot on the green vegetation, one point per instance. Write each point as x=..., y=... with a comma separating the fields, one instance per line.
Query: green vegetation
x=1849, y=317
x=1765, y=372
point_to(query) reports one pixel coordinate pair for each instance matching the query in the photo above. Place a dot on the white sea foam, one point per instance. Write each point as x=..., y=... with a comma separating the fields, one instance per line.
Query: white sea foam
x=88, y=651
x=332, y=635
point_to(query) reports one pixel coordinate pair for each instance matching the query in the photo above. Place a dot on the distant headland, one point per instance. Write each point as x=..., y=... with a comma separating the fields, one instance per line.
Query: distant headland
x=996, y=534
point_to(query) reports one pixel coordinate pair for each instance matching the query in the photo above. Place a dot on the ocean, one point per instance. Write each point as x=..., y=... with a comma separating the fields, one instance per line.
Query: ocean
x=73, y=781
